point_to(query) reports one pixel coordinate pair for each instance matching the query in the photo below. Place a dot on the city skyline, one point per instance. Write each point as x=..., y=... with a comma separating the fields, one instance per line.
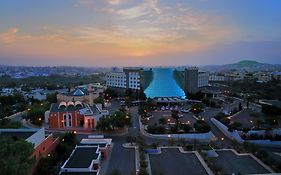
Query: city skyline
x=104, y=33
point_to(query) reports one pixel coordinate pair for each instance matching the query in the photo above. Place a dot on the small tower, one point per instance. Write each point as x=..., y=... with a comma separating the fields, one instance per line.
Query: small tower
x=91, y=94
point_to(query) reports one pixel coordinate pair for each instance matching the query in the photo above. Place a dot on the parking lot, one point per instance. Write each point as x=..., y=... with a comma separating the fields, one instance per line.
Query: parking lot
x=232, y=163
x=172, y=161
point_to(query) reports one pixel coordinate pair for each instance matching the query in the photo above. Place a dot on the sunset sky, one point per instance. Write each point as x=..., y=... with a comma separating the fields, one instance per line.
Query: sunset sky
x=139, y=32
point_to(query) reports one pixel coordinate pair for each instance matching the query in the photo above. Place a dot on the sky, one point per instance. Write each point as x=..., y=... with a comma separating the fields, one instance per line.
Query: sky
x=105, y=33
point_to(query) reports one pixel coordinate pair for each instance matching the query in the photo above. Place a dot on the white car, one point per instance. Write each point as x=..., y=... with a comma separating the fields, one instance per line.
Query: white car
x=185, y=111
x=181, y=116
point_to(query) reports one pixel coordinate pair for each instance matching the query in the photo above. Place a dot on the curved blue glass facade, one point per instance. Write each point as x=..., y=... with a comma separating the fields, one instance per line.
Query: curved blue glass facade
x=163, y=84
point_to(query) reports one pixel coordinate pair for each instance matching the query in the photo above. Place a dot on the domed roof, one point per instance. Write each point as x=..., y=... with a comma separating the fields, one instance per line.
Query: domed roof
x=62, y=104
x=78, y=103
x=70, y=103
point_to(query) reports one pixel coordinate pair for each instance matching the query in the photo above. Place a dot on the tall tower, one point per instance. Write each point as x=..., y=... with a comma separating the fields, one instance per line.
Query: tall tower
x=91, y=94
x=191, y=80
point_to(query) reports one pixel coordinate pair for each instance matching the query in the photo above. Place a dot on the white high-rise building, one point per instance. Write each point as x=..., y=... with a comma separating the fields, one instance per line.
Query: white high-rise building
x=116, y=79
x=203, y=79
x=129, y=78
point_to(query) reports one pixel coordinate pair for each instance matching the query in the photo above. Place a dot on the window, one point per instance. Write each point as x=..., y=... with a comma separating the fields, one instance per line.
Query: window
x=69, y=120
x=64, y=120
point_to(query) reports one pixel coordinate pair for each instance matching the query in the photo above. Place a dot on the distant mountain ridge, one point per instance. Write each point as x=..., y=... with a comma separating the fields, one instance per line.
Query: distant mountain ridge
x=244, y=65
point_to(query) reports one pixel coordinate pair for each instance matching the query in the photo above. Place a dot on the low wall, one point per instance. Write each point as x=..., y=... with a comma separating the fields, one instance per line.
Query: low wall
x=234, y=135
x=268, y=143
x=200, y=137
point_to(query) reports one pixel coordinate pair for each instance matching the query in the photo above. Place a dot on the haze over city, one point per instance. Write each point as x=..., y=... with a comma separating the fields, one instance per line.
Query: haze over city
x=139, y=33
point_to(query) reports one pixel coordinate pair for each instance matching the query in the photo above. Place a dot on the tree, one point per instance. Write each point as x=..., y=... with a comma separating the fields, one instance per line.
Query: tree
x=234, y=125
x=7, y=123
x=128, y=96
x=196, y=108
x=162, y=121
x=131, y=139
x=201, y=126
x=118, y=120
x=271, y=110
x=99, y=100
x=52, y=98
x=15, y=156
x=36, y=114
x=175, y=115
x=141, y=94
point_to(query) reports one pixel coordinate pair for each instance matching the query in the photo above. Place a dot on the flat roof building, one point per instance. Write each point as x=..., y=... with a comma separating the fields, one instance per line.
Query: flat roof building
x=83, y=159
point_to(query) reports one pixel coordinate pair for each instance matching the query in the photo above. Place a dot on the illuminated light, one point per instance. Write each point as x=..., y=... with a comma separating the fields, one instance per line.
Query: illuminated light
x=74, y=132
x=188, y=122
x=49, y=155
x=41, y=104
x=169, y=120
x=62, y=140
x=229, y=118
x=169, y=136
x=222, y=139
x=251, y=121
x=39, y=119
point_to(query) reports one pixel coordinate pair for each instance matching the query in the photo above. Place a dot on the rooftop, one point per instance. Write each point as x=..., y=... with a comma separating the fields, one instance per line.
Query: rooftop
x=11, y=133
x=82, y=157
x=83, y=109
x=78, y=92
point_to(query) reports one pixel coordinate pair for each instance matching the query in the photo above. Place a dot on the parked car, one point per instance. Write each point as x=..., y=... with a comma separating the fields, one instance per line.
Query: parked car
x=185, y=110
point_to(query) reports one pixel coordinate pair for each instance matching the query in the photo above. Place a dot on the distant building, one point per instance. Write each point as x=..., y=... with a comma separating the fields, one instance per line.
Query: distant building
x=217, y=78
x=263, y=77
x=37, y=94
x=128, y=78
x=116, y=79
x=276, y=75
x=191, y=80
x=203, y=79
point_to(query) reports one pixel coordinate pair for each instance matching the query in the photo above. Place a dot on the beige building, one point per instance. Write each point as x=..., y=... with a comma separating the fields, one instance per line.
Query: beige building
x=84, y=94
